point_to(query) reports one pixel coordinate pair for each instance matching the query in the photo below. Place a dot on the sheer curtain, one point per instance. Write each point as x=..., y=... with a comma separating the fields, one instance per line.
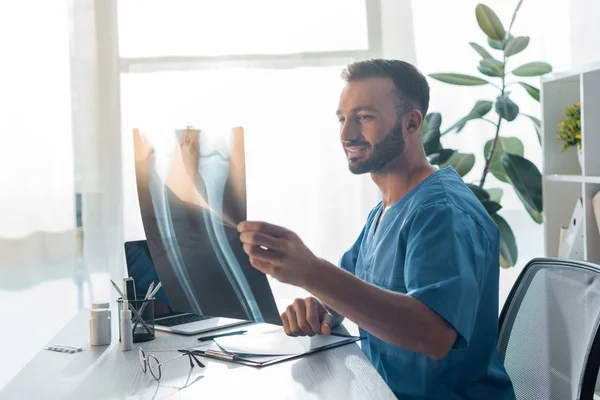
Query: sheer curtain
x=61, y=204
x=35, y=129
x=37, y=205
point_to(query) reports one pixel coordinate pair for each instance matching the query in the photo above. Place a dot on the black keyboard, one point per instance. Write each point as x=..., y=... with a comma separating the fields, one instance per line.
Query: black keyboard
x=183, y=319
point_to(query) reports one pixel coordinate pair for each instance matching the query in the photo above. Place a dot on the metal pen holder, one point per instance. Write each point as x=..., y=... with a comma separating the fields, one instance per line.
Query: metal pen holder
x=142, y=319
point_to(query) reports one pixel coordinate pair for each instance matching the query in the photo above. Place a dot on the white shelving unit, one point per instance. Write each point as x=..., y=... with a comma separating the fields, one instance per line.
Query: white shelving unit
x=564, y=181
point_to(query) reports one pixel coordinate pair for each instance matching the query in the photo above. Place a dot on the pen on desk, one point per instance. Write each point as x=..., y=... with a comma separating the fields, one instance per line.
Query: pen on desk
x=149, y=290
x=217, y=354
x=155, y=290
x=206, y=338
x=117, y=288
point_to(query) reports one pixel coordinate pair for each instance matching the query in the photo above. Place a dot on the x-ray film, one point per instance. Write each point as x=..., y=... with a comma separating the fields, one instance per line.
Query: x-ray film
x=192, y=194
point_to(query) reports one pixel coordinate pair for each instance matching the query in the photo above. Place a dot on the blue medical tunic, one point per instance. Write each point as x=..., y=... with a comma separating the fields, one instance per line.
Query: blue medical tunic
x=439, y=245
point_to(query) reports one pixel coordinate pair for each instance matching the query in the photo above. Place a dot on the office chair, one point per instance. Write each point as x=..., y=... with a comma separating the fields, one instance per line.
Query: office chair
x=548, y=333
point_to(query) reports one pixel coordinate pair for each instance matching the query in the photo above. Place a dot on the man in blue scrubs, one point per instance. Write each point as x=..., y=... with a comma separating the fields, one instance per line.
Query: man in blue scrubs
x=421, y=280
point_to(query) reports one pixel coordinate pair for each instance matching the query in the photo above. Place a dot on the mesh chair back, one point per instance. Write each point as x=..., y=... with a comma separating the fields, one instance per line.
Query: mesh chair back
x=549, y=330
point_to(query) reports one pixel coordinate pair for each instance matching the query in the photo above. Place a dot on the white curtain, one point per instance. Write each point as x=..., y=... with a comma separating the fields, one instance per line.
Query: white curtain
x=36, y=144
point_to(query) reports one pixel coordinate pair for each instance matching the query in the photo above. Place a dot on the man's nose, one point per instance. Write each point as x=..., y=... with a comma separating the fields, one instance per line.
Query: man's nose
x=349, y=131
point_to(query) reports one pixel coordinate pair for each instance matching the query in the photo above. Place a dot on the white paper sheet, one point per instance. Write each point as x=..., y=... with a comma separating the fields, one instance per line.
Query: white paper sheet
x=275, y=343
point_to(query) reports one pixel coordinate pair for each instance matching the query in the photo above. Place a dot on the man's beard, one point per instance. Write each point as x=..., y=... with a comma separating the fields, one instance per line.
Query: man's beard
x=390, y=147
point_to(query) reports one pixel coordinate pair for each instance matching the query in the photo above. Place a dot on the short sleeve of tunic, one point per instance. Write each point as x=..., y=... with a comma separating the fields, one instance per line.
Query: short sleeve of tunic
x=446, y=266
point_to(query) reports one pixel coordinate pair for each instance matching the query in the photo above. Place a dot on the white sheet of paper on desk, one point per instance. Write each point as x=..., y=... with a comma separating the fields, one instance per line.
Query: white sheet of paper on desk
x=274, y=343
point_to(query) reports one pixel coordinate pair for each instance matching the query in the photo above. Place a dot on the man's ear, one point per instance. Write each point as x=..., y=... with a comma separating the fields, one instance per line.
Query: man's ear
x=414, y=120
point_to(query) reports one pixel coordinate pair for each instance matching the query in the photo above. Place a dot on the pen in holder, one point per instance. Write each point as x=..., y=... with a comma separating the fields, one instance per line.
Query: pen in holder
x=142, y=318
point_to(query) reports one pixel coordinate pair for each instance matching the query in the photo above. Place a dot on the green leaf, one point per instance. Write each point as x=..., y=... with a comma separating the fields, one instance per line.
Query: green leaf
x=495, y=194
x=434, y=120
x=508, y=244
x=505, y=145
x=482, y=52
x=433, y=135
x=459, y=79
x=493, y=64
x=480, y=109
x=461, y=162
x=432, y=146
x=515, y=14
x=516, y=45
x=479, y=192
x=535, y=68
x=441, y=157
x=537, y=124
x=527, y=181
x=424, y=128
x=532, y=90
x=499, y=44
x=431, y=138
x=489, y=72
x=491, y=206
x=489, y=22
x=506, y=108
x=484, y=197
x=495, y=44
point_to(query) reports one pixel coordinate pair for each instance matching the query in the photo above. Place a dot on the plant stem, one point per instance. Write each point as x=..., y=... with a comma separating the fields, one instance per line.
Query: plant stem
x=490, y=155
x=494, y=85
x=489, y=120
x=488, y=160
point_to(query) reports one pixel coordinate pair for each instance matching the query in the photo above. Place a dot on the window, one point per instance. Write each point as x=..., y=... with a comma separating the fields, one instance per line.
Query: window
x=275, y=73
x=236, y=27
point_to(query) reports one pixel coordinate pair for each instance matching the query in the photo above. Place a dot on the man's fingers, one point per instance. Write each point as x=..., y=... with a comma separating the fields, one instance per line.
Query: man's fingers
x=312, y=314
x=261, y=239
x=293, y=321
x=261, y=254
x=264, y=227
x=263, y=266
x=326, y=325
x=286, y=324
x=303, y=325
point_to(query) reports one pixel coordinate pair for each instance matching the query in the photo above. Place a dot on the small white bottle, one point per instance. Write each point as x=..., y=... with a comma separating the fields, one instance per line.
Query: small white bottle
x=126, y=328
x=100, y=332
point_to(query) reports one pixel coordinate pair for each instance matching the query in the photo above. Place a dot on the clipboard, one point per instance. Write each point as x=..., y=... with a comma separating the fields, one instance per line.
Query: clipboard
x=253, y=360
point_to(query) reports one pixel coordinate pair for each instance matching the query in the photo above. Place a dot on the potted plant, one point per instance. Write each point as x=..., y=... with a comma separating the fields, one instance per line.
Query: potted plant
x=569, y=130
x=503, y=155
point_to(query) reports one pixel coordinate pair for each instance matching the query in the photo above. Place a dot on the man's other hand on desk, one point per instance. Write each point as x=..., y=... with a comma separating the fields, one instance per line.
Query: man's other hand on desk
x=307, y=317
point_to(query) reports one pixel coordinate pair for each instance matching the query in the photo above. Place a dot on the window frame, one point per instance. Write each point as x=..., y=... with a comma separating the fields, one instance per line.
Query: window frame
x=266, y=61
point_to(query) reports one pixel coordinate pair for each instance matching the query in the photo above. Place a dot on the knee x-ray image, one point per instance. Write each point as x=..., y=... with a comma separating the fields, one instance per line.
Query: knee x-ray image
x=192, y=194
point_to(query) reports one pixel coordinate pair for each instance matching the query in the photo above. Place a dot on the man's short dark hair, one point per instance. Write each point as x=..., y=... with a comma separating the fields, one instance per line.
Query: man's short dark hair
x=412, y=89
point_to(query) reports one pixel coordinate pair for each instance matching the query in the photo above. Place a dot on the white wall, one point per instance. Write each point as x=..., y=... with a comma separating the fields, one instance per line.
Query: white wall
x=585, y=32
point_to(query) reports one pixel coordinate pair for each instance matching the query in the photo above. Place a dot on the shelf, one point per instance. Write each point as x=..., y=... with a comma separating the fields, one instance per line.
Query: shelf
x=567, y=176
x=571, y=74
x=563, y=178
x=571, y=178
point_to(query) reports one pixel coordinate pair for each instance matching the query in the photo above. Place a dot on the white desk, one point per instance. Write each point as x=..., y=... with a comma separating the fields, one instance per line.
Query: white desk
x=107, y=373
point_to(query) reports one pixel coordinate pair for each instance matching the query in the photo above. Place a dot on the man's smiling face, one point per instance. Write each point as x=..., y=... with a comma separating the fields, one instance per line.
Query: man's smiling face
x=370, y=127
